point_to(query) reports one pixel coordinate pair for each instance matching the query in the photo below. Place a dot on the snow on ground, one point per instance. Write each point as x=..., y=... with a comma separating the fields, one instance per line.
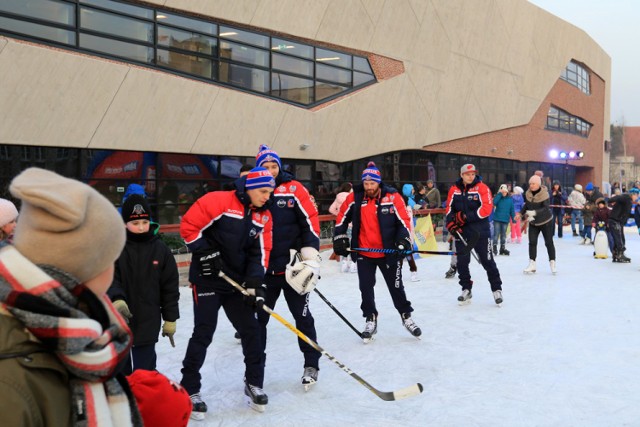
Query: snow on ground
x=563, y=350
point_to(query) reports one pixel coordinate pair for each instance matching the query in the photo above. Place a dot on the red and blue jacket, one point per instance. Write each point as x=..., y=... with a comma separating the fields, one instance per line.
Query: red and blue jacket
x=377, y=223
x=226, y=221
x=295, y=221
x=476, y=201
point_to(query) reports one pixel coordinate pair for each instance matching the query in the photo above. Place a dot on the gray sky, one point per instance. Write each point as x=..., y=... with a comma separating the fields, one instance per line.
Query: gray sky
x=615, y=26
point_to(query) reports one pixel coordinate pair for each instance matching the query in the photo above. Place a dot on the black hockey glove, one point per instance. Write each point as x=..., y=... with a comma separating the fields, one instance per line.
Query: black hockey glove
x=257, y=292
x=403, y=244
x=341, y=245
x=211, y=262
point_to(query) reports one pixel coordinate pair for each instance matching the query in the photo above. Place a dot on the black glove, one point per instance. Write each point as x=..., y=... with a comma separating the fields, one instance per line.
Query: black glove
x=403, y=244
x=257, y=290
x=456, y=223
x=210, y=262
x=341, y=245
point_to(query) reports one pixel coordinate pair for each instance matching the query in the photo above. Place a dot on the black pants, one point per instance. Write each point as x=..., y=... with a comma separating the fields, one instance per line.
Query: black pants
x=299, y=308
x=558, y=217
x=483, y=250
x=617, y=232
x=140, y=357
x=392, y=274
x=206, y=304
x=547, y=232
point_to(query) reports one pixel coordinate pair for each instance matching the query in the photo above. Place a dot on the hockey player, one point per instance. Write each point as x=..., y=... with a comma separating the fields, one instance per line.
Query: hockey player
x=380, y=221
x=295, y=227
x=228, y=231
x=469, y=204
x=618, y=218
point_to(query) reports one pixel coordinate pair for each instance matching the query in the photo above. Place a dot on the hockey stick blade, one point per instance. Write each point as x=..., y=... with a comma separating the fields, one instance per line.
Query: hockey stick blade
x=401, y=252
x=388, y=396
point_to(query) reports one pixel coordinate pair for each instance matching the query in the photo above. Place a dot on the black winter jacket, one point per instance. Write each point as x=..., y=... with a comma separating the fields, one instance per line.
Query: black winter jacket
x=146, y=278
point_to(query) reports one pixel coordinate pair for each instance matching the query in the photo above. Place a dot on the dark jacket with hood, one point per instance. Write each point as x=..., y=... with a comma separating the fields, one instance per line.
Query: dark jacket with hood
x=621, y=210
x=146, y=278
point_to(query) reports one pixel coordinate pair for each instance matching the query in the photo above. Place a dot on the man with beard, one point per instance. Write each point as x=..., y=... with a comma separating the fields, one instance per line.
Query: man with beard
x=380, y=221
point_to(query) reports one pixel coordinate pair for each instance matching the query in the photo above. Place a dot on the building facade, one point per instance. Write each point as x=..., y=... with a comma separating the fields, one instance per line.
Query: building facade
x=177, y=95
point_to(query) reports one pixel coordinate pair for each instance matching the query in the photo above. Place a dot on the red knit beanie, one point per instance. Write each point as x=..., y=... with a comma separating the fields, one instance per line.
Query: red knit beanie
x=161, y=401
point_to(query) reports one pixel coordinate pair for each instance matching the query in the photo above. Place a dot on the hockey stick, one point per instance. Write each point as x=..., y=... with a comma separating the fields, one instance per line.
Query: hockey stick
x=337, y=312
x=468, y=245
x=401, y=252
x=384, y=395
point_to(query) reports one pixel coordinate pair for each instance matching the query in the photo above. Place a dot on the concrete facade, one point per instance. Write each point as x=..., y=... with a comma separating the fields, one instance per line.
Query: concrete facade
x=470, y=68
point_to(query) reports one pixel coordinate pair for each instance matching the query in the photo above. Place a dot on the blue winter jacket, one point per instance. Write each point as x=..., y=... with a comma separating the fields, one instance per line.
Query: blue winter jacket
x=406, y=191
x=504, y=209
x=518, y=202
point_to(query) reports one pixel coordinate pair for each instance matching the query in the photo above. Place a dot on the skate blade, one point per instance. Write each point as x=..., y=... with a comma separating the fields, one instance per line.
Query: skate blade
x=198, y=416
x=255, y=406
x=367, y=340
x=530, y=272
x=467, y=302
x=307, y=386
x=499, y=304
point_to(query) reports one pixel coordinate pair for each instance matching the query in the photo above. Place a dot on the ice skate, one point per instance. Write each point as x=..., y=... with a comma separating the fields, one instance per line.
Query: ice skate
x=504, y=251
x=552, y=264
x=411, y=326
x=531, y=268
x=497, y=296
x=256, y=397
x=309, y=377
x=237, y=336
x=370, y=329
x=414, y=276
x=495, y=249
x=451, y=273
x=619, y=256
x=199, y=407
x=353, y=268
x=344, y=268
x=465, y=297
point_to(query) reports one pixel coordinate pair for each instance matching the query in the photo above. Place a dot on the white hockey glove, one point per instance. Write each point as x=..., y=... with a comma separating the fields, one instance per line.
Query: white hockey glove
x=303, y=274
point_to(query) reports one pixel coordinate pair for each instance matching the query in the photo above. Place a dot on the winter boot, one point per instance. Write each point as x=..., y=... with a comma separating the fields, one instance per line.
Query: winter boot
x=411, y=326
x=199, y=407
x=552, y=264
x=309, y=377
x=575, y=234
x=583, y=241
x=370, y=328
x=257, y=398
x=495, y=249
x=504, y=251
x=497, y=296
x=465, y=297
x=451, y=273
x=531, y=268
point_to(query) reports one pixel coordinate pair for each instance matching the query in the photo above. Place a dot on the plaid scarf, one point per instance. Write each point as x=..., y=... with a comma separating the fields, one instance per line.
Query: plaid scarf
x=82, y=330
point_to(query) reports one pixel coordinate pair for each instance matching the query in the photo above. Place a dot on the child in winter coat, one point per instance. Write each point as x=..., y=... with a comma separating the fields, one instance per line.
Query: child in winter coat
x=145, y=285
x=516, y=226
x=587, y=215
x=600, y=220
x=8, y=218
x=408, y=193
x=502, y=215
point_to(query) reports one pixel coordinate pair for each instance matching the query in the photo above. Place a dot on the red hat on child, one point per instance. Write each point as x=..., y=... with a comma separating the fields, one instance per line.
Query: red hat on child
x=161, y=401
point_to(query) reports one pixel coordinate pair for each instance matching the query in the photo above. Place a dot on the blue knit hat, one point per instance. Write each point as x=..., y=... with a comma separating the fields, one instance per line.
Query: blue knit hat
x=258, y=178
x=634, y=190
x=589, y=186
x=371, y=173
x=266, y=154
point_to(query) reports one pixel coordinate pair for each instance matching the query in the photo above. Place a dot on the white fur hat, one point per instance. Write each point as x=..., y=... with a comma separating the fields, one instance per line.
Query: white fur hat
x=8, y=212
x=578, y=187
x=66, y=224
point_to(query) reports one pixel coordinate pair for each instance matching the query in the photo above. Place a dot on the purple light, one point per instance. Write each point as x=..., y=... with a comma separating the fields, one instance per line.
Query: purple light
x=572, y=154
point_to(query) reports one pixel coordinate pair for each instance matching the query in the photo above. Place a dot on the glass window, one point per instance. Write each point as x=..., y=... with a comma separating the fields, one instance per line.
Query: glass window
x=186, y=40
x=54, y=11
x=325, y=72
x=131, y=51
x=128, y=9
x=242, y=53
x=561, y=120
x=109, y=23
x=292, y=65
x=361, y=64
x=577, y=75
x=292, y=88
x=188, y=63
x=244, y=77
x=244, y=36
x=291, y=48
x=187, y=23
x=40, y=31
x=325, y=90
x=334, y=58
x=360, y=78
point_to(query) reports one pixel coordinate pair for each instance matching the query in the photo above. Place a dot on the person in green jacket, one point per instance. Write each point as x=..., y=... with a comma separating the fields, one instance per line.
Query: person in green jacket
x=61, y=339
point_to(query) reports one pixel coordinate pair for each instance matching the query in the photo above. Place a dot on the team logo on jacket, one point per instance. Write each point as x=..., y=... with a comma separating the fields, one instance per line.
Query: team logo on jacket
x=291, y=203
x=384, y=211
x=293, y=188
x=281, y=203
x=253, y=232
x=265, y=219
x=392, y=211
x=385, y=199
x=256, y=217
x=282, y=189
